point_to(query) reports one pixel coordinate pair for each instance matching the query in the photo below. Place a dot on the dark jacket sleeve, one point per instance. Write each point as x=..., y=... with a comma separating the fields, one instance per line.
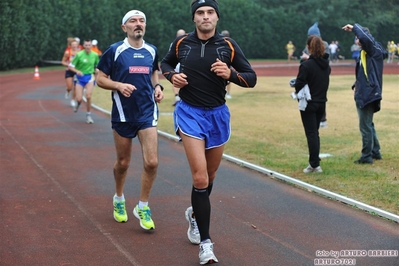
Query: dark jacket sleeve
x=242, y=73
x=369, y=80
x=169, y=62
x=301, y=78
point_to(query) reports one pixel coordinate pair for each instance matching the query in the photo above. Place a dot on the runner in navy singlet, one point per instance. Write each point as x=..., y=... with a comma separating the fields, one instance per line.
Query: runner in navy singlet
x=129, y=69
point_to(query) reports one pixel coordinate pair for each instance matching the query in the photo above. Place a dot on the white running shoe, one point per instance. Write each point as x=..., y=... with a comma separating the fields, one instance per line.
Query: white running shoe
x=76, y=107
x=73, y=103
x=67, y=95
x=310, y=169
x=192, y=232
x=206, y=255
x=89, y=120
x=323, y=124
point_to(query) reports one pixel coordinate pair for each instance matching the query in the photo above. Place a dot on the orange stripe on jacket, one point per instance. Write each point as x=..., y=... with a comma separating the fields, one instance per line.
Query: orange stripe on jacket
x=231, y=47
x=177, y=46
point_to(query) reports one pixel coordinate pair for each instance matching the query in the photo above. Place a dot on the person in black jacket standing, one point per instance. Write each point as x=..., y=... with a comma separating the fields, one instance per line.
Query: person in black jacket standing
x=315, y=73
x=314, y=30
x=368, y=90
x=202, y=119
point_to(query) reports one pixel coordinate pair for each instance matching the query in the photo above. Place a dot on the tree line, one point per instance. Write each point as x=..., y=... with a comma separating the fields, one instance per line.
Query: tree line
x=35, y=30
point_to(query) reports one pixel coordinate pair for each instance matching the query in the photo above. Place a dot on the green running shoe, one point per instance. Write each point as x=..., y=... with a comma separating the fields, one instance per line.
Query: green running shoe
x=120, y=214
x=144, y=215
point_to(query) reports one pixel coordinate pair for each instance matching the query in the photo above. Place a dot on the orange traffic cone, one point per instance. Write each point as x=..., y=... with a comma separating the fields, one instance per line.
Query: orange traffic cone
x=36, y=76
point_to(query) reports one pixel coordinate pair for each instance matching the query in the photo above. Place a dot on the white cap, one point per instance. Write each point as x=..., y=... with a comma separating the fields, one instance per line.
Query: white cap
x=94, y=42
x=132, y=13
x=77, y=39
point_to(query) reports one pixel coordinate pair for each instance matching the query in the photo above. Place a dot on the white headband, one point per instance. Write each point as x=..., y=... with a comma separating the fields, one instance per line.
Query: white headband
x=132, y=13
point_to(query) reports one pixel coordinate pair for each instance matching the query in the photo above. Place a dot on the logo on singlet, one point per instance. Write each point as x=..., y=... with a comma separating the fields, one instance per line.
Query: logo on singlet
x=138, y=55
x=139, y=70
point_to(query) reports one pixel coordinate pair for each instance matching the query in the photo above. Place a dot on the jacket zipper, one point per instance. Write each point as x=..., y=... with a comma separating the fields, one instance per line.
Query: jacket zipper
x=203, y=48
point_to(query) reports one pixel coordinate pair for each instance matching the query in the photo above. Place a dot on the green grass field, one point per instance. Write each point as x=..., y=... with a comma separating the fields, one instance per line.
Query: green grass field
x=267, y=131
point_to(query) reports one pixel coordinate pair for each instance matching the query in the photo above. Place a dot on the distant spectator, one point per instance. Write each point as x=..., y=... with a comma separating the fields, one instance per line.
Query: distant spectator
x=333, y=51
x=338, y=53
x=355, y=49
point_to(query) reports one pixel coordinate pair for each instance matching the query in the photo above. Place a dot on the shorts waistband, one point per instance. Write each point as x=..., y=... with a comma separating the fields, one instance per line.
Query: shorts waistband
x=202, y=108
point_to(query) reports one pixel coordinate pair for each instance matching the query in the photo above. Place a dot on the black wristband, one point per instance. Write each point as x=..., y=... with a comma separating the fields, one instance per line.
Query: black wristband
x=159, y=86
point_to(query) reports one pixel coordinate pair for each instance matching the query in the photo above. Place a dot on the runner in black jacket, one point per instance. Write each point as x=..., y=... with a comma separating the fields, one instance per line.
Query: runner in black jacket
x=206, y=88
x=202, y=119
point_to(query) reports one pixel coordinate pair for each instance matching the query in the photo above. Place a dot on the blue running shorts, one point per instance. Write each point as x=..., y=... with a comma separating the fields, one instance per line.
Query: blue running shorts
x=83, y=80
x=209, y=124
x=129, y=129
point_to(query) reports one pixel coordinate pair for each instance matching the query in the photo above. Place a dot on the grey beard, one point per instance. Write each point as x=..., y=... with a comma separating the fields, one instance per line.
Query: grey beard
x=138, y=36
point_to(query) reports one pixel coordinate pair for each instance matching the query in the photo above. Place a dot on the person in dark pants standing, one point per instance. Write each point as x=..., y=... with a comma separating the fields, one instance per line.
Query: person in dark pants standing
x=314, y=76
x=314, y=30
x=368, y=89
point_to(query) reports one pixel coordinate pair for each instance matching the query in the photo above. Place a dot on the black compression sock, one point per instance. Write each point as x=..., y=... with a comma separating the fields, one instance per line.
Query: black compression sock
x=202, y=208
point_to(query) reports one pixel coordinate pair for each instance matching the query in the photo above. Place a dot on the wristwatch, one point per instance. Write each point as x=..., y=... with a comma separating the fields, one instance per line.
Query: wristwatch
x=159, y=86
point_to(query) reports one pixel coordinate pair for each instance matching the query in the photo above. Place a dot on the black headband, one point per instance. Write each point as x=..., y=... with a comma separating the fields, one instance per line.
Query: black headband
x=199, y=3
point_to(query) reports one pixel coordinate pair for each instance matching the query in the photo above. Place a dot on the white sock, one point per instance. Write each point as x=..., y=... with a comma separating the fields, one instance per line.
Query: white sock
x=142, y=204
x=121, y=198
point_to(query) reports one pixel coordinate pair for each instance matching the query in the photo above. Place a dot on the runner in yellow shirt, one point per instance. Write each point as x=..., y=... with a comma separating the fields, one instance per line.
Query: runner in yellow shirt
x=290, y=51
